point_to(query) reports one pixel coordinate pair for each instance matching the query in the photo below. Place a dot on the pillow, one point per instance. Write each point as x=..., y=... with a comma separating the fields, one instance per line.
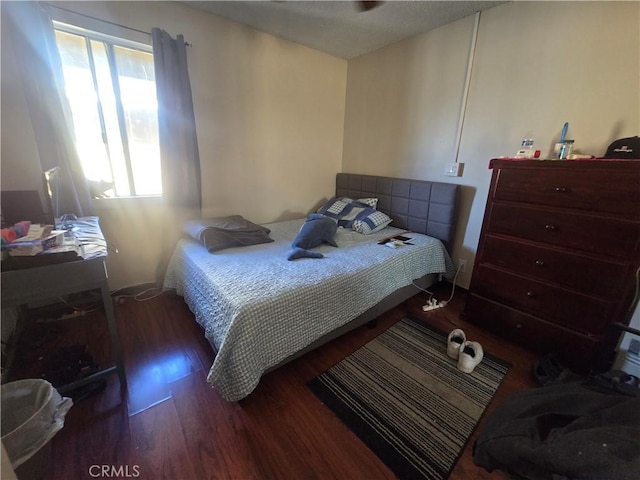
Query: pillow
x=317, y=230
x=226, y=232
x=340, y=201
x=349, y=213
x=336, y=207
x=370, y=221
x=339, y=207
x=370, y=201
x=357, y=209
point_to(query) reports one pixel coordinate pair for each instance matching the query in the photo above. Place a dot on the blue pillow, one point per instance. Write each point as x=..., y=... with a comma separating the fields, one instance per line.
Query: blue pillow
x=358, y=215
x=336, y=207
x=317, y=230
x=370, y=221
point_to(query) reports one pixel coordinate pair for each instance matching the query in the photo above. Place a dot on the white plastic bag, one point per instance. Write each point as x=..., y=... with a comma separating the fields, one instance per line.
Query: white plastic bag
x=32, y=413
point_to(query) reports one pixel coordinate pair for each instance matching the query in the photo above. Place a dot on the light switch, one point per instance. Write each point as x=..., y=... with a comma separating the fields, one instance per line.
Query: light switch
x=453, y=169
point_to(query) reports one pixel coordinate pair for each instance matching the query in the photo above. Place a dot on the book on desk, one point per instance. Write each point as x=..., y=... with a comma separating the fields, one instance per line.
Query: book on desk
x=29, y=246
x=48, y=251
x=61, y=254
x=85, y=241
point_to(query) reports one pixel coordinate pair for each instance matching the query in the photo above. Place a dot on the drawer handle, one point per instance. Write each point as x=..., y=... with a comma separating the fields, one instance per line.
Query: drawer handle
x=550, y=227
x=519, y=326
x=531, y=294
x=561, y=189
x=540, y=263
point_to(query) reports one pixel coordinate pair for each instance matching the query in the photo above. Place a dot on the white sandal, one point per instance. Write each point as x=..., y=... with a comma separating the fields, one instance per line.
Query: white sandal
x=471, y=354
x=454, y=343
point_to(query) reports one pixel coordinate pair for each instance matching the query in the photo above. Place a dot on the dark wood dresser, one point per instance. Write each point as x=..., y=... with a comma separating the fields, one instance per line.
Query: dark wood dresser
x=557, y=257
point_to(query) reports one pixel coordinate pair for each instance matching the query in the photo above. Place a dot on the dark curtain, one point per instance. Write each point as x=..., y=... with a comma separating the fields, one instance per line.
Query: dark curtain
x=179, y=155
x=41, y=73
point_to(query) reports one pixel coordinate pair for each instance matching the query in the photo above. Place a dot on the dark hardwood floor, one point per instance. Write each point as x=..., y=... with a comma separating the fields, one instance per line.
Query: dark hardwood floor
x=171, y=424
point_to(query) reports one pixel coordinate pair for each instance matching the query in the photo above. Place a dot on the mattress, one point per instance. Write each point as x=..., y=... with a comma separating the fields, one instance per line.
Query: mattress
x=257, y=308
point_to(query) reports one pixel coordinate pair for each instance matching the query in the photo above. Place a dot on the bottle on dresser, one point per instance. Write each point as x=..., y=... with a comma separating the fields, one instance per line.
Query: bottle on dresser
x=526, y=148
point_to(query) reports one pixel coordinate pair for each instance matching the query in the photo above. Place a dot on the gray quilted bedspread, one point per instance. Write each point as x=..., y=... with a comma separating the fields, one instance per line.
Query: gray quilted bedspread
x=257, y=308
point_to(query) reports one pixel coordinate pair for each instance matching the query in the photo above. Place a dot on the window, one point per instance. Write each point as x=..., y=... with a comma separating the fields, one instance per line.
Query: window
x=110, y=85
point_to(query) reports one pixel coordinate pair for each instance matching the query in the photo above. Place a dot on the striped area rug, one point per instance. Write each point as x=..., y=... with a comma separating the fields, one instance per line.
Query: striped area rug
x=407, y=401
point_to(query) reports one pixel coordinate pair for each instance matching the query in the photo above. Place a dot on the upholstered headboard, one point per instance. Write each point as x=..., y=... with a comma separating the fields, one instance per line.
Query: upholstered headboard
x=415, y=205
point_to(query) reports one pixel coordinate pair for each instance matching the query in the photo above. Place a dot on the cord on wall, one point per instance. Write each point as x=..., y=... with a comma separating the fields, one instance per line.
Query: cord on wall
x=467, y=83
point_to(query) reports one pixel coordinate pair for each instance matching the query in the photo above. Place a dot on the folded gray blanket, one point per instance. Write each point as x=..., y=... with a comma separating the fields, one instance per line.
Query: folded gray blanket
x=226, y=232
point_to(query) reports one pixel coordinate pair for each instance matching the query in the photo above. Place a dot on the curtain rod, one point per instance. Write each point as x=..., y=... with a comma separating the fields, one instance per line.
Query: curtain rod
x=107, y=21
x=99, y=19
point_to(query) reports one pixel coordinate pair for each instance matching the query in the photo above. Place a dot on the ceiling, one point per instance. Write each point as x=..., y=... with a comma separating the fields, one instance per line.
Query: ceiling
x=342, y=28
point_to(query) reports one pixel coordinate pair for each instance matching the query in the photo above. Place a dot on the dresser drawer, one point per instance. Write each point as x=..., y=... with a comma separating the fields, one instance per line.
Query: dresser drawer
x=576, y=351
x=607, y=236
x=563, y=307
x=585, y=274
x=607, y=192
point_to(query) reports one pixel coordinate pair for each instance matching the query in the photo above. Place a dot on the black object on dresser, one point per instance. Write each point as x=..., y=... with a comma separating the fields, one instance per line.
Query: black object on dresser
x=557, y=257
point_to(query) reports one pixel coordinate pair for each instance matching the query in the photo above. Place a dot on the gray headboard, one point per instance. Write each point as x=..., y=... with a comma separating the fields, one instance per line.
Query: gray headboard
x=415, y=205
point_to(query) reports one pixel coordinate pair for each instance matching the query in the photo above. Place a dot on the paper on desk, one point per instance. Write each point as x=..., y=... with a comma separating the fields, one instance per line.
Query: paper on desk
x=35, y=232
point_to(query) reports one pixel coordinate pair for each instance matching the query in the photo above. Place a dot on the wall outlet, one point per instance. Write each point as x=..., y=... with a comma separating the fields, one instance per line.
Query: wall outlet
x=462, y=265
x=453, y=169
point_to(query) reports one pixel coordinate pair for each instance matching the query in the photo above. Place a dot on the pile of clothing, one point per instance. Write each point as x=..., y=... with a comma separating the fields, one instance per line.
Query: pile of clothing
x=571, y=427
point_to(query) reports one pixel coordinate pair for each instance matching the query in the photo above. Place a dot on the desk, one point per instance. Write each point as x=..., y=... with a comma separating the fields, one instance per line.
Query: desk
x=21, y=285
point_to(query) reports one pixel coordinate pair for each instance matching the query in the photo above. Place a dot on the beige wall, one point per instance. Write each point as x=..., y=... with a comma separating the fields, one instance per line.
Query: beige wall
x=403, y=103
x=18, y=150
x=537, y=65
x=272, y=115
x=269, y=115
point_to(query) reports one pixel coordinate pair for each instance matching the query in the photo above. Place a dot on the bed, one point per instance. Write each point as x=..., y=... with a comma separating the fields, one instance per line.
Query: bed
x=259, y=310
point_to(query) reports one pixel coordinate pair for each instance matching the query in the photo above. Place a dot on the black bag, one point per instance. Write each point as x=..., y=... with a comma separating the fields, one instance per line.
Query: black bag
x=624, y=148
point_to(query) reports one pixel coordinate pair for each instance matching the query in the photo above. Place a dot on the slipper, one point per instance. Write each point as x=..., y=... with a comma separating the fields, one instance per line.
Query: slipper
x=455, y=340
x=471, y=354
